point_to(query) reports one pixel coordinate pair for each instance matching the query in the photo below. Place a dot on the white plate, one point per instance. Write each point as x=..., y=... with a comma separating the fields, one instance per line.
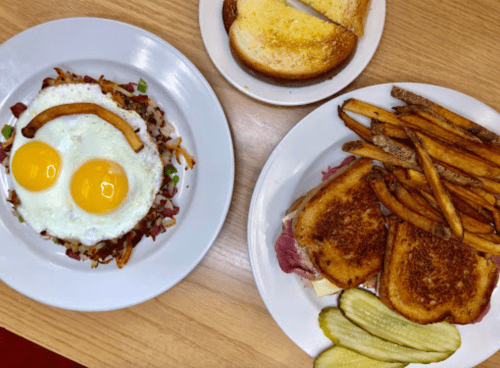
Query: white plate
x=292, y=93
x=293, y=168
x=121, y=52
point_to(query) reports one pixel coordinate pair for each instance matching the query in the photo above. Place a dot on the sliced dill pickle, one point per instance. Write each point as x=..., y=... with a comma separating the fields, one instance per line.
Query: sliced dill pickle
x=339, y=357
x=368, y=312
x=345, y=333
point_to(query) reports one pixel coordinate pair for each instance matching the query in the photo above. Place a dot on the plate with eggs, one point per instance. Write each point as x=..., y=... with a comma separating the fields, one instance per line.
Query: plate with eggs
x=107, y=165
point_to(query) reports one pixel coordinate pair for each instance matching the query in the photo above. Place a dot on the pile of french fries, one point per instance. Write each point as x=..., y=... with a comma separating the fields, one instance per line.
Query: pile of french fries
x=441, y=171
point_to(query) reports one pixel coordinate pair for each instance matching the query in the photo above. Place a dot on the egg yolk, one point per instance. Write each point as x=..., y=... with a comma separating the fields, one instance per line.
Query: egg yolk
x=35, y=166
x=99, y=186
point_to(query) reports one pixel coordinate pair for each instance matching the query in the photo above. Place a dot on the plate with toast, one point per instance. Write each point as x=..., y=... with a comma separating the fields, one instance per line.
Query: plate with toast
x=318, y=163
x=261, y=55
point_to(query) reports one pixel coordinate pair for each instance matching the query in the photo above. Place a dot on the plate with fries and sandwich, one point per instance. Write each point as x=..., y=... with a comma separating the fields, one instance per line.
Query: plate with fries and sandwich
x=374, y=229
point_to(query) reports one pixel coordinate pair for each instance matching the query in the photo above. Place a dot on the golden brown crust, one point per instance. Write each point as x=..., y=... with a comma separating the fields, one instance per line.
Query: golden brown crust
x=428, y=279
x=229, y=13
x=342, y=227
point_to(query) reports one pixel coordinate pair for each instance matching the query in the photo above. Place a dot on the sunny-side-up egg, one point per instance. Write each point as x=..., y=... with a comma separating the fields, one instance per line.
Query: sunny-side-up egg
x=78, y=178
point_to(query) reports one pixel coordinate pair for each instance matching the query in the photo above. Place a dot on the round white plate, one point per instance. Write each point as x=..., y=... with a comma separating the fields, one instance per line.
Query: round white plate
x=290, y=93
x=122, y=53
x=295, y=167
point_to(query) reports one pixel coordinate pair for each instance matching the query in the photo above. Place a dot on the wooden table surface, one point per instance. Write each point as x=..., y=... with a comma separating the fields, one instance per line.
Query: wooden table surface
x=215, y=317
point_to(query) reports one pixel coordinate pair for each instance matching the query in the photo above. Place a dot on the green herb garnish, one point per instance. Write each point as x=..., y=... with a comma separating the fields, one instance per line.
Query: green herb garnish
x=175, y=179
x=7, y=131
x=170, y=169
x=20, y=218
x=142, y=86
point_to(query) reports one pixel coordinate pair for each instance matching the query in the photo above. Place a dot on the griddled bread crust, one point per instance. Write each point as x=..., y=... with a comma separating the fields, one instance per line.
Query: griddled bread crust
x=341, y=225
x=229, y=13
x=428, y=279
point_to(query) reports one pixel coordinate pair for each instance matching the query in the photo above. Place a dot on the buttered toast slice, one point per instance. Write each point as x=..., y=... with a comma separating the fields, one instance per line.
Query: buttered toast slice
x=348, y=13
x=341, y=225
x=427, y=279
x=273, y=38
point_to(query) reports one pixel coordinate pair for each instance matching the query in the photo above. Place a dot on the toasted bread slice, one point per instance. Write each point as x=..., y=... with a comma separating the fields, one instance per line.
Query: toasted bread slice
x=275, y=39
x=341, y=225
x=348, y=13
x=427, y=279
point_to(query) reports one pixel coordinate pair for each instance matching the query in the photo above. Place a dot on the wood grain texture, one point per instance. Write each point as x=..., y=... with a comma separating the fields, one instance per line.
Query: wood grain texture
x=215, y=316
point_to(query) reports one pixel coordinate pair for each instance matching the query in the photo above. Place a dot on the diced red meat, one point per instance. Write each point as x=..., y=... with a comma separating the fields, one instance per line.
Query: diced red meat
x=72, y=254
x=18, y=108
x=155, y=231
x=88, y=79
x=128, y=87
x=169, y=212
x=3, y=154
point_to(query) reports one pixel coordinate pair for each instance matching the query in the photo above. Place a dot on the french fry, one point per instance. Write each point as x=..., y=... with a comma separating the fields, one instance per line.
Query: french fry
x=464, y=141
x=470, y=195
x=371, y=111
x=458, y=159
x=456, y=176
x=430, y=198
x=395, y=148
x=413, y=99
x=45, y=116
x=475, y=226
x=489, y=197
x=407, y=199
x=495, y=238
x=478, y=199
x=481, y=243
x=445, y=124
x=379, y=186
x=430, y=128
x=441, y=195
x=447, y=173
x=460, y=138
x=402, y=175
x=424, y=202
x=417, y=176
x=470, y=208
x=389, y=130
x=472, y=224
x=365, y=149
x=355, y=126
x=490, y=185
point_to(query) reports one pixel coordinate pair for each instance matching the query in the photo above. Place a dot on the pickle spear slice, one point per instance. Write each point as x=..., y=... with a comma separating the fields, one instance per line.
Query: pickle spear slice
x=345, y=333
x=367, y=311
x=339, y=357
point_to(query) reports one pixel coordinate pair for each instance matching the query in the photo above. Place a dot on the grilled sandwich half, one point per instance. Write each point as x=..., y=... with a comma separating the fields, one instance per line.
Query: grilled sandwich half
x=428, y=279
x=341, y=226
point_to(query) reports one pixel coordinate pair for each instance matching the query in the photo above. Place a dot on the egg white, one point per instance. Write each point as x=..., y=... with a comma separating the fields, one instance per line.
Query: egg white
x=79, y=138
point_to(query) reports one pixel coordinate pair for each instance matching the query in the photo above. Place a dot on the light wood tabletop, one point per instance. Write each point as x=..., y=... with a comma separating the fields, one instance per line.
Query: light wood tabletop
x=215, y=316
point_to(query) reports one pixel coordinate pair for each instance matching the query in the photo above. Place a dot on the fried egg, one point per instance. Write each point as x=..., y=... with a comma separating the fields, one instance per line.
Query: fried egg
x=78, y=179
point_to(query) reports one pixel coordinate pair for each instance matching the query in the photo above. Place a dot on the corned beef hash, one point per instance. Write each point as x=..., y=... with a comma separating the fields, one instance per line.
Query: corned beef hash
x=91, y=165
